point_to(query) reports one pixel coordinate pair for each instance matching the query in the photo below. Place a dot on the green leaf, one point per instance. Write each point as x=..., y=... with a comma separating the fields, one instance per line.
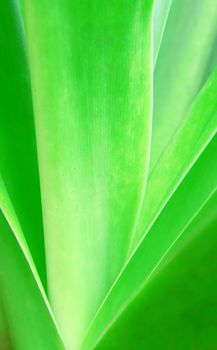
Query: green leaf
x=182, y=66
x=177, y=308
x=123, y=196
x=161, y=13
x=10, y=226
x=174, y=219
x=30, y=322
x=185, y=147
x=18, y=165
x=91, y=72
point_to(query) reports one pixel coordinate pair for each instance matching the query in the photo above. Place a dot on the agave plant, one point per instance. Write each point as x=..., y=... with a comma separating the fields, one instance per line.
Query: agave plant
x=108, y=174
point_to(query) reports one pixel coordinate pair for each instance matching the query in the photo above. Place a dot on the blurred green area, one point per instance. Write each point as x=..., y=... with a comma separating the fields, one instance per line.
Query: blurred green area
x=5, y=343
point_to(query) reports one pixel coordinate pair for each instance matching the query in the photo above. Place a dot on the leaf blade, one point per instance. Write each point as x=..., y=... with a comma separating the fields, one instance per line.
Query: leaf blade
x=156, y=243
x=92, y=103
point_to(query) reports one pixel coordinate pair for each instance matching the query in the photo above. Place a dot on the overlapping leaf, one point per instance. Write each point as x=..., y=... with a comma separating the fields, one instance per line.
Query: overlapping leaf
x=177, y=309
x=160, y=239
x=91, y=74
x=185, y=60
x=30, y=323
x=18, y=159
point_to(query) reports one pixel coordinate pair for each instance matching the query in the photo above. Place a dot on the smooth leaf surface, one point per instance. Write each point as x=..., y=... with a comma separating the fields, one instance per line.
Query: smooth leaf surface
x=10, y=216
x=91, y=72
x=10, y=226
x=182, y=66
x=5, y=343
x=30, y=323
x=177, y=309
x=122, y=96
x=185, y=147
x=161, y=13
x=18, y=160
x=158, y=242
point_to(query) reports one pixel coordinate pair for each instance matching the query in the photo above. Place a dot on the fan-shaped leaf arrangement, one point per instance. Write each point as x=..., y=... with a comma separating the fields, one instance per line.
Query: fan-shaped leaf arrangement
x=108, y=174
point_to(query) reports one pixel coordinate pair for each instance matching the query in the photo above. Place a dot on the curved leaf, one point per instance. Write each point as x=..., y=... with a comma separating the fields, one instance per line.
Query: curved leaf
x=184, y=56
x=18, y=159
x=185, y=147
x=174, y=219
x=30, y=323
x=177, y=309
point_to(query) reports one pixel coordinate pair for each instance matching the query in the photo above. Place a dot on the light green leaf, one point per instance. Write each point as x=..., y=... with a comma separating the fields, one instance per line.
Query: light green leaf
x=91, y=72
x=174, y=219
x=161, y=13
x=182, y=66
x=185, y=147
x=30, y=323
x=123, y=197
